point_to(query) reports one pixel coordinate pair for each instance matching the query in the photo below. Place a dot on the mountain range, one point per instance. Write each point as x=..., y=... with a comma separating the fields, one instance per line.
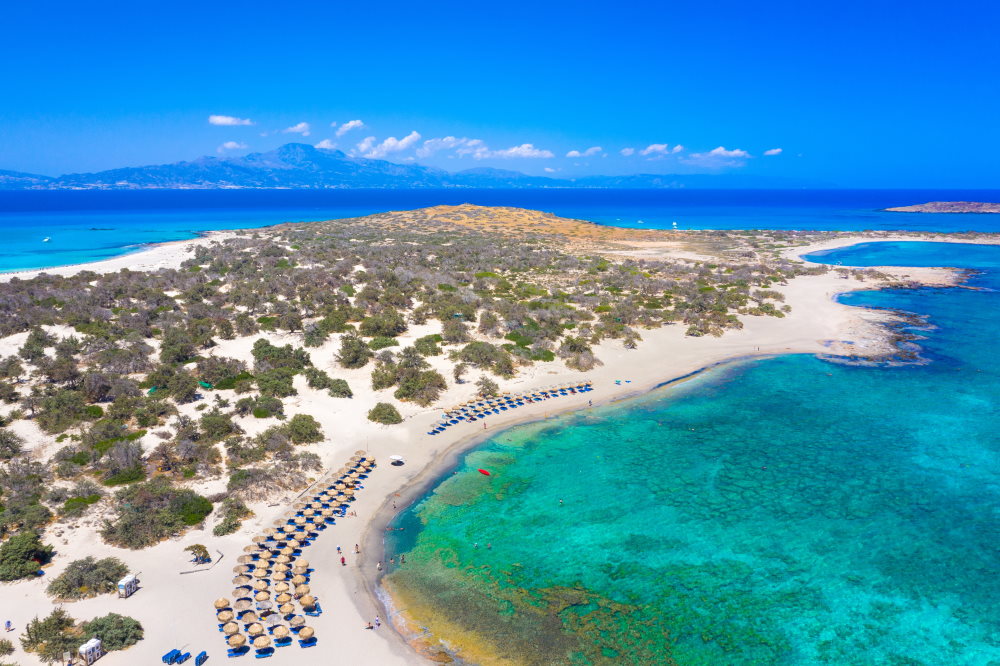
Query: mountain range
x=302, y=166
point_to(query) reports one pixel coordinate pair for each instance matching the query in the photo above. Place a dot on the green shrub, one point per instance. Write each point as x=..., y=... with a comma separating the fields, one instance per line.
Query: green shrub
x=389, y=323
x=234, y=511
x=88, y=578
x=125, y=476
x=22, y=555
x=428, y=345
x=152, y=511
x=6, y=647
x=385, y=413
x=381, y=342
x=354, y=353
x=116, y=632
x=304, y=429
x=261, y=413
x=75, y=506
x=340, y=389
x=51, y=637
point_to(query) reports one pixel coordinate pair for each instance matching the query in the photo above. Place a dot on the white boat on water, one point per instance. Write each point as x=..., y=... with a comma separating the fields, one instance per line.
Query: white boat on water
x=45, y=240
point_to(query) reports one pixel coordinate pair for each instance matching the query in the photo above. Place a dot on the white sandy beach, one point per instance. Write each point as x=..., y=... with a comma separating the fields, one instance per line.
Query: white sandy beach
x=174, y=603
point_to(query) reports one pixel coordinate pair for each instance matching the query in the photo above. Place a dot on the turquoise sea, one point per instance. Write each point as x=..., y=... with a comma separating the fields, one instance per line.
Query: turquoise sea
x=782, y=511
x=91, y=225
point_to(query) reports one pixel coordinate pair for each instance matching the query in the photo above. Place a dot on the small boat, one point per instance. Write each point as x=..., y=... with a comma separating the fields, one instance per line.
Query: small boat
x=46, y=239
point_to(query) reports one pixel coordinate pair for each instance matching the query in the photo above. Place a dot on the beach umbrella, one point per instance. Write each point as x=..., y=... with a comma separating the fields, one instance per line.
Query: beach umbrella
x=260, y=538
x=264, y=605
x=302, y=562
x=280, y=568
x=262, y=642
x=300, y=535
x=287, y=551
x=327, y=512
x=312, y=512
x=260, y=573
x=248, y=616
x=281, y=587
x=241, y=591
x=221, y=603
x=273, y=620
x=255, y=629
x=301, y=590
x=260, y=585
x=308, y=601
x=237, y=640
x=242, y=605
x=299, y=505
x=266, y=555
x=241, y=580
x=284, y=559
x=280, y=631
x=297, y=621
x=360, y=453
x=306, y=633
x=300, y=520
x=278, y=522
x=251, y=548
x=261, y=596
x=286, y=609
x=225, y=616
x=283, y=598
x=241, y=568
x=269, y=531
x=298, y=579
x=244, y=559
x=299, y=569
x=288, y=528
x=281, y=575
x=230, y=628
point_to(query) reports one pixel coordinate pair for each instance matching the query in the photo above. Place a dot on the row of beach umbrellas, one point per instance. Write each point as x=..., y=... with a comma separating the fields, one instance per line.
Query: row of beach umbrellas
x=274, y=556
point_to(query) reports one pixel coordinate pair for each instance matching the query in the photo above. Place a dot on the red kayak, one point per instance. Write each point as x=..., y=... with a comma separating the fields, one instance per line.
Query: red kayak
x=483, y=471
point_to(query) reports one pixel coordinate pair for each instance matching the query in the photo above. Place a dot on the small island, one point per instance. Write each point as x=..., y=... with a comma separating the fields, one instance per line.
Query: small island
x=948, y=207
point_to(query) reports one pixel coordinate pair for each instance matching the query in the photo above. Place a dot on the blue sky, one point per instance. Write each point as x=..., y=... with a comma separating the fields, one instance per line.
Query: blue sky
x=863, y=94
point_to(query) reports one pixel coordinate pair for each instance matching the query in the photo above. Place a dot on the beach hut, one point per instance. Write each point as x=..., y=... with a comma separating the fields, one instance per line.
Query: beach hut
x=127, y=586
x=91, y=651
x=221, y=603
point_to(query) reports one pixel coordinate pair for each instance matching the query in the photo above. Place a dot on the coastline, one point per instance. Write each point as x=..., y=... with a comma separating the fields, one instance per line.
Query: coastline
x=817, y=324
x=407, y=638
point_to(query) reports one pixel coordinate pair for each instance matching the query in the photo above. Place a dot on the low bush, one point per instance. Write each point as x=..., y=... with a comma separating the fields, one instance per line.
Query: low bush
x=22, y=555
x=88, y=578
x=385, y=413
x=152, y=511
x=116, y=632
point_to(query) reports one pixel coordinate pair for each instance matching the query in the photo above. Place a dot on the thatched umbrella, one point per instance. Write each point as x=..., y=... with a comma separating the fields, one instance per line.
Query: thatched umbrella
x=230, y=628
x=264, y=605
x=262, y=642
x=260, y=585
x=244, y=559
x=312, y=511
x=327, y=513
x=280, y=568
x=283, y=598
x=283, y=559
x=248, y=616
x=297, y=621
x=269, y=531
x=301, y=562
x=241, y=592
x=360, y=453
x=242, y=605
x=286, y=609
x=288, y=528
x=260, y=573
x=294, y=543
x=300, y=520
x=260, y=538
x=261, y=596
x=280, y=631
x=305, y=633
x=241, y=569
x=251, y=548
x=255, y=629
x=300, y=505
x=221, y=603
x=273, y=620
x=241, y=580
x=287, y=551
x=266, y=555
x=298, y=579
x=280, y=575
x=301, y=590
x=281, y=587
x=224, y=616
x=237, y=640
x=300, y=535
x=308, y=601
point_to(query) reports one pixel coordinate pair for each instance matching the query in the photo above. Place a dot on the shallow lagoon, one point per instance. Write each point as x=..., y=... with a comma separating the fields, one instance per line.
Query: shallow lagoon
x=781, y=511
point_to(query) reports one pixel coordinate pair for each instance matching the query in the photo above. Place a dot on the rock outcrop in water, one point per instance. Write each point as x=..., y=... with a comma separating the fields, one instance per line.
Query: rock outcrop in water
x=948, y=207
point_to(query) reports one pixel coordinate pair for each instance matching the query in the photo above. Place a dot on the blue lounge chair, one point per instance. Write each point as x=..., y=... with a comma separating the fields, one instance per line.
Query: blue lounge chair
x=309, y=642
x=283, y=642
x=201, y=658
x=182, y=658
x=171, y=657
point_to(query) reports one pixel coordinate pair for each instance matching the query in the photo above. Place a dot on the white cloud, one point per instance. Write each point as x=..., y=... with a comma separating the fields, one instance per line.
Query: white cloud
x=232, y=145
x=627, y=151
x=551, y=170
x=348, y=126
x=524, y=150
x=326, y=144
x=298, y=128
x=720, y=157
x=432, y=146
x=590, y=152
x=367, y=147
x=228, y=121
x=676, y=149
x=772, y=151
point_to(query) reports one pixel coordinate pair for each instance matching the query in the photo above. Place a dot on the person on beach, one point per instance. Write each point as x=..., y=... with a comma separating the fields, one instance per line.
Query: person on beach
x=378, y=565
x=338, y=550
x=343, y=561
x=8, y=626
x=357, y=549
x=370, y=626
x=378, y=622
x=402, y=559
x=392, y=560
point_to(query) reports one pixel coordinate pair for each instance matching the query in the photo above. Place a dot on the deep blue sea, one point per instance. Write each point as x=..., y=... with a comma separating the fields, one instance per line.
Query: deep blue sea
x=90, y=225
x=781, y=511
